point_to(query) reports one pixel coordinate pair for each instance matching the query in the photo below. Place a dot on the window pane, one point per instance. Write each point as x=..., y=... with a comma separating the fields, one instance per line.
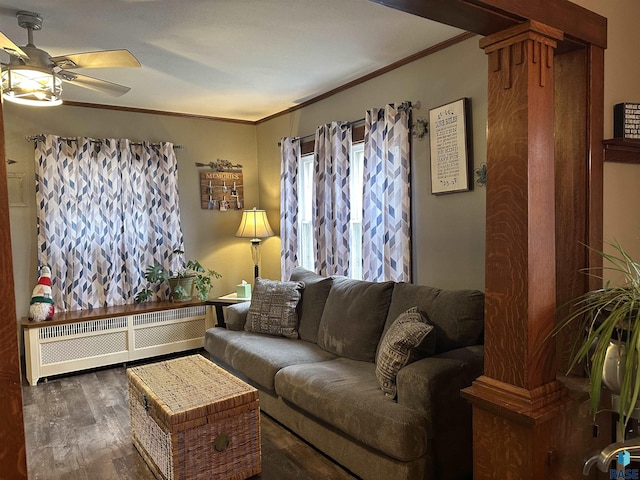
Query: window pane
x=306, y=243
x=305, y=206
x=356, y=182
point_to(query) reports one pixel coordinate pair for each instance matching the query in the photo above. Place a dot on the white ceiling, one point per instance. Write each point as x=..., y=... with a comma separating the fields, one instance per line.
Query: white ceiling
x=241, y=59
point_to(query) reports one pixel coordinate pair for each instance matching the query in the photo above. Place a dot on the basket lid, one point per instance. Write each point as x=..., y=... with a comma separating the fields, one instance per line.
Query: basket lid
x=190, y=387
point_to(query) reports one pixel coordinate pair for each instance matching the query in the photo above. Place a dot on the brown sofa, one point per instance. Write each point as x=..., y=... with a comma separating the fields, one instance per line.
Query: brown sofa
x=323, y=385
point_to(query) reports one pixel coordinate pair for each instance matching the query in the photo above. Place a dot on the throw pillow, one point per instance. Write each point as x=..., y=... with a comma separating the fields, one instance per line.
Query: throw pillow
x=353, y=318
x=273, y=308
x=311, y=306
x=405, y=342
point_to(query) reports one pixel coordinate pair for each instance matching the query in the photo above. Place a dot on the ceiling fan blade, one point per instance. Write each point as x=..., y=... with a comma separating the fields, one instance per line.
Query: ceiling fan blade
x=10, y=47
x=91, y=83
x=100, y=59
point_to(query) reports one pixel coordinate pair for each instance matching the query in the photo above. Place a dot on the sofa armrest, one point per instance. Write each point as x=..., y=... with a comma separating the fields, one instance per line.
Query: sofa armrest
x=235, y=315
x=432, y=387
x=435, y=382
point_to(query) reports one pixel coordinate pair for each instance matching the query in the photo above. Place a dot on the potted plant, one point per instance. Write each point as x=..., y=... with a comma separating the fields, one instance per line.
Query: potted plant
x=194, y=278
x=608, y=322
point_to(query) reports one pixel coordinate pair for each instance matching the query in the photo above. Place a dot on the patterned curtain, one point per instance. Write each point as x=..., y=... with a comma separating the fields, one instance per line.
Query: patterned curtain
x=331, y=212
x=107, y=209
x=290, y=155
x=387, y=197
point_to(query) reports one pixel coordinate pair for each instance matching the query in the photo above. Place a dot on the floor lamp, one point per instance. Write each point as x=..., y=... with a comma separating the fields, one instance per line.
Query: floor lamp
x=254, y=225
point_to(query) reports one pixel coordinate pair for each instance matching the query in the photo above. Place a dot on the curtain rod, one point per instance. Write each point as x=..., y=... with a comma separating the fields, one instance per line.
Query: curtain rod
x=35, y=138
x=406, y=105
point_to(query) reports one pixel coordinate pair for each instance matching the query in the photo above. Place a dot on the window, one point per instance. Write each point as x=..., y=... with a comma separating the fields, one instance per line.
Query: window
x=306, y=242
x=328, y=197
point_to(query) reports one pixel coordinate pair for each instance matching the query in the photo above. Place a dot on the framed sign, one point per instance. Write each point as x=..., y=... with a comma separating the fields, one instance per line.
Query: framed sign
x=449, y=137
x=222, y=190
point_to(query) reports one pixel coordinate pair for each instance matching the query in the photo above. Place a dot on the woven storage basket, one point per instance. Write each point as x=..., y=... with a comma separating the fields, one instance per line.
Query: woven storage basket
x=191, y=420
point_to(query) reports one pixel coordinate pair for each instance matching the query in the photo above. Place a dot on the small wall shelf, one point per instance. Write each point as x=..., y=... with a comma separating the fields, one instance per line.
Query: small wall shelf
x=621, y=150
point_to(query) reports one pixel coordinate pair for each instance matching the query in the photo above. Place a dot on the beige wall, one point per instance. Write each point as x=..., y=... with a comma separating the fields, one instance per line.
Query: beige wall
x=209, y=235
x=448, y=230
x=622, y=71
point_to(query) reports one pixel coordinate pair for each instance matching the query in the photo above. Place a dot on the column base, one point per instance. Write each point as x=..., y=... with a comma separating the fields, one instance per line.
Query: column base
x=513, y=428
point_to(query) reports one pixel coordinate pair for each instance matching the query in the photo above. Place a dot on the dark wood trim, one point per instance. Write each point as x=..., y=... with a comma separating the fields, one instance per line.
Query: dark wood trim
x=13, y=457
x=457, y=13
x=576, y=22
x=595, y=160
x=106, y=312
x=411, y=58
x=621, y=150
x=486, y=17
x=101, y=106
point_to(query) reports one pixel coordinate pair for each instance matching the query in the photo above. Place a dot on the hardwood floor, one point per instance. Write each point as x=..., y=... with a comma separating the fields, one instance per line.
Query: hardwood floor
x=77, y=427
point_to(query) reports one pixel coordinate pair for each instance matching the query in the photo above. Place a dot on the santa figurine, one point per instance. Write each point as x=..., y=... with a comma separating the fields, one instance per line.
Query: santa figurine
x=41, y=306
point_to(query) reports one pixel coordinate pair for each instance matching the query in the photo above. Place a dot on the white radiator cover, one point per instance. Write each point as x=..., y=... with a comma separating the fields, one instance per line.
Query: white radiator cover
x=56, y=349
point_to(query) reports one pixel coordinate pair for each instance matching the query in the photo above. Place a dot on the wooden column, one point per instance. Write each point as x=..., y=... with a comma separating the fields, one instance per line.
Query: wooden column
x=516, y=399
x=13, y=459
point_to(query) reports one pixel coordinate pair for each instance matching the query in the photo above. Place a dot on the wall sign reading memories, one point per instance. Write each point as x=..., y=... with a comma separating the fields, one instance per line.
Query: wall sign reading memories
x=449, y=135
x=222, y=190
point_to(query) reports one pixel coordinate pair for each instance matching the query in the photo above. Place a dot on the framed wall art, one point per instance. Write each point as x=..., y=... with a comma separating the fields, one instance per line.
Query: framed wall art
x=450, y=139
x=222, y=191
x=15, y=185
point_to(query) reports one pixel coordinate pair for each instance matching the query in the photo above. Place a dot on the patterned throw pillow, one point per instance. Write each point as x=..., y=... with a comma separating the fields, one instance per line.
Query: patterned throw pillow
x=406, y=341
x=273, y=308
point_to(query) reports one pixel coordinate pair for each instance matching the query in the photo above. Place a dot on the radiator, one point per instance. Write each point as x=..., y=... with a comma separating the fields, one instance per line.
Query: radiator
x=70, y=347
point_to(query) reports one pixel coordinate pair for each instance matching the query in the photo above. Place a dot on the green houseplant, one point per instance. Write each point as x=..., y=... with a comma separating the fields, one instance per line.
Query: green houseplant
x=194, y=278
x=608, y=322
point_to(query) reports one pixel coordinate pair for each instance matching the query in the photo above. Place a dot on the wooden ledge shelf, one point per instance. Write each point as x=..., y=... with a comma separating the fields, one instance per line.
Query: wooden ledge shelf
x=98, y=337
x=107, y=312
x=622, y=150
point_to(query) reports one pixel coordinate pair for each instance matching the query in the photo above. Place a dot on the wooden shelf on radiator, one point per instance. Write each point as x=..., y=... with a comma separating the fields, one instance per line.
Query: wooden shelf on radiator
x=74, y=341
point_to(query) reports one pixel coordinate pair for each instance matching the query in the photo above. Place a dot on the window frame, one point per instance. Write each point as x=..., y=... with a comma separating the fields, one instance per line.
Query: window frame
x=305, y=214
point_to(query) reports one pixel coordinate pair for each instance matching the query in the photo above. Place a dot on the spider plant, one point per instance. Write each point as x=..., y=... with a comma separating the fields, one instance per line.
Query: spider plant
x=610, y=317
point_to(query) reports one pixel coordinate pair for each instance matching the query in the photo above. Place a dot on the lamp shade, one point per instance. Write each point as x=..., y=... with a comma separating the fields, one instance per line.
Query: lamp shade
x=254, y=224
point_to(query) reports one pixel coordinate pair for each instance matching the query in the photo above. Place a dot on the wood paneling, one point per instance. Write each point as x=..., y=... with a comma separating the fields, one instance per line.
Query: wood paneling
x=520, y=255
x=12, y=450
x=572, y=187
x=595, y=169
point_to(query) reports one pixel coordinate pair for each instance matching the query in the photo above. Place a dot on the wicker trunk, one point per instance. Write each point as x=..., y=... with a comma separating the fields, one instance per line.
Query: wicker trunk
x=190, y=420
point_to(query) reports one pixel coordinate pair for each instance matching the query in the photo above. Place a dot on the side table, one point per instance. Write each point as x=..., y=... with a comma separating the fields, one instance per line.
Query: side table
x=225, y=301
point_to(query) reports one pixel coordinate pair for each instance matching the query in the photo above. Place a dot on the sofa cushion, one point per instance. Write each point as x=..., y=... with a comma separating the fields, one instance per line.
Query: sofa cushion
x=344, y=394
x=259, y=357
x=273, y=308
x=408, y=339
x=311, y=306
x=353, y=318
x=456, y=315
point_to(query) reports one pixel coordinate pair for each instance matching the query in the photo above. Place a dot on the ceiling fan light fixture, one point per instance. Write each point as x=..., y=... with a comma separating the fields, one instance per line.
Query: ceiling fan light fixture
x=31, y=86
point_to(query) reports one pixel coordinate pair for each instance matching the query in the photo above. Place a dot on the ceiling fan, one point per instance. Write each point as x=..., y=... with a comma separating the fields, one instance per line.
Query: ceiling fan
x=34, y=77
